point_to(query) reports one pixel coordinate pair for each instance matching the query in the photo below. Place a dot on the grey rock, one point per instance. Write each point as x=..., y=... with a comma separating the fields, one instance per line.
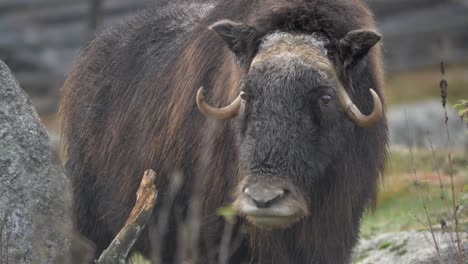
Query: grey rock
x=410, y=248
x=34, y=192
x=412, y=124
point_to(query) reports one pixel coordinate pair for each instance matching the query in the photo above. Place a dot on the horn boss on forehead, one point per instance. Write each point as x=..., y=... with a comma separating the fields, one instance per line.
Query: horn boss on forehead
x=312, y=50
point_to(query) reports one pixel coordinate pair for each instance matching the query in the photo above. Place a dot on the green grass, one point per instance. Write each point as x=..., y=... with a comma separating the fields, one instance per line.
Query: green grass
x=399, y=205
x=385, y=245
x=400, y=246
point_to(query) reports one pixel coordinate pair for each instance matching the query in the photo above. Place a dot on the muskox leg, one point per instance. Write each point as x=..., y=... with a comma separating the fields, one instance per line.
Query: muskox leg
x=89, y=227
x=146, y=247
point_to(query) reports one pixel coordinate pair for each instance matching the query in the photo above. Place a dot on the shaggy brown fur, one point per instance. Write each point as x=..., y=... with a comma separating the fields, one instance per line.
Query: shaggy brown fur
x=129, y=105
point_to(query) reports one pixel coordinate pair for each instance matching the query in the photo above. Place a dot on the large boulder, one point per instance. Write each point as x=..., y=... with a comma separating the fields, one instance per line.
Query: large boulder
x=410, y=248
x=34, y=192
x=412, y=123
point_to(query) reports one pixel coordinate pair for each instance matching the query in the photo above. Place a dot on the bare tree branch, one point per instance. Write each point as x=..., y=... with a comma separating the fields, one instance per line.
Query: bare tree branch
x=118, y=250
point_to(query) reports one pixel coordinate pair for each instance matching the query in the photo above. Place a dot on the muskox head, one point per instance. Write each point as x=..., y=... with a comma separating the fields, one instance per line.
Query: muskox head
x=294, y=116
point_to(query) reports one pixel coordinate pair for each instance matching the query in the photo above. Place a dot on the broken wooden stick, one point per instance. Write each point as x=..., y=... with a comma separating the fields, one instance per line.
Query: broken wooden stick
x=118, y=250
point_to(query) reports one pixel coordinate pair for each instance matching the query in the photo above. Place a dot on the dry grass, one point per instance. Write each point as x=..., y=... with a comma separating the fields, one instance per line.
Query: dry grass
x=424, y=84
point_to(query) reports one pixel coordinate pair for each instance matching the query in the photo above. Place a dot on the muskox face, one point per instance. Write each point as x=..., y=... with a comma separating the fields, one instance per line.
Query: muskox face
x=294, y=117
x=290, y=129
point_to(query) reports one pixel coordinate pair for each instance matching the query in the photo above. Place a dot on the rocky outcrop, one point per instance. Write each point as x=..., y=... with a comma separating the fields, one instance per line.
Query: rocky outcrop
x=34, y=191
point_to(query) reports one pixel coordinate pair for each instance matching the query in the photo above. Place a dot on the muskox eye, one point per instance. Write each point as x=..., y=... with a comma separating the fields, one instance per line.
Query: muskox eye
x=243, y=95
x=326, y=99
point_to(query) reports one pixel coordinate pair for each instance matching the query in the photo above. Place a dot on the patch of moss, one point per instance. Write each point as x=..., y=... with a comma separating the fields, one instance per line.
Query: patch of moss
x=361, y=257
x=399, y=247
x=384, y=245
x=402, y=252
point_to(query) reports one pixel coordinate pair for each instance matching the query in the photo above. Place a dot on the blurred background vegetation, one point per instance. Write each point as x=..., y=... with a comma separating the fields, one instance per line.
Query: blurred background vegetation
x=39, y=40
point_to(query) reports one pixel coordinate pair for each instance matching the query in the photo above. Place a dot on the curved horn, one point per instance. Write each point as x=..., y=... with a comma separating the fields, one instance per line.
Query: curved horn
x=219, y=113
x=353, y=112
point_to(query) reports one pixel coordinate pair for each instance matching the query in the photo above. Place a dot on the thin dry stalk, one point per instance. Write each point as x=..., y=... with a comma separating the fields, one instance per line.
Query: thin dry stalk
x=421, y=197
x=428, y=219
x=423, y=223
x=183, y=234
x=159, y=233
x=188, y=244
x=444, y=95
x=224, y=251
x=443, y=196
x=194, y=224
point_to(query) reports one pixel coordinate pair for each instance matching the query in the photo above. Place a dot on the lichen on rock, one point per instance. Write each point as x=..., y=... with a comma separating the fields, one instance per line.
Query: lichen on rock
x=34, y=191
x=409, y=248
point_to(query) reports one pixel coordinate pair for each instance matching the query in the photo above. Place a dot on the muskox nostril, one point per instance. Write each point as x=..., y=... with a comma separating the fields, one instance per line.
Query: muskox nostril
x=264, y=196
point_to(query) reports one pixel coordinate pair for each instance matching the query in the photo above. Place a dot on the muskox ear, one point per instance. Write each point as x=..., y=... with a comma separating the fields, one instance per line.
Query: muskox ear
x=241, y=39
x=356, y=44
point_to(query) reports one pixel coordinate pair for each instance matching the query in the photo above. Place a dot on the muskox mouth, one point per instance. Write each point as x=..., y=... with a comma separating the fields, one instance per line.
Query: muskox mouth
x=270, y=205
x=272, y=221
x=278, y=217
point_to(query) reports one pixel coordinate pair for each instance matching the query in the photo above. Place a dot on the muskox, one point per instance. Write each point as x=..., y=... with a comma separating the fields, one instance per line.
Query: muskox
x=288, y=128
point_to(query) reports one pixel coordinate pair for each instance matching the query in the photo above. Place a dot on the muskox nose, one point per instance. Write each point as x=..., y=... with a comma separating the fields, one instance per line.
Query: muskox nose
x=264, y=196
